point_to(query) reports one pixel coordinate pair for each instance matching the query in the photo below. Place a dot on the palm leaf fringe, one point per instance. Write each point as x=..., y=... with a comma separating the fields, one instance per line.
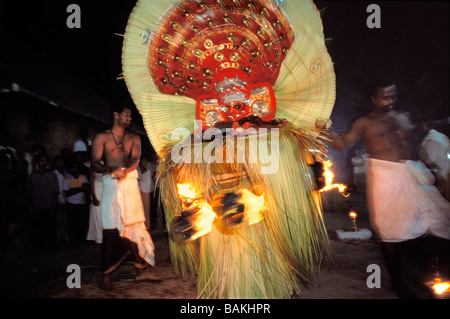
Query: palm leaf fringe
x=262, y=260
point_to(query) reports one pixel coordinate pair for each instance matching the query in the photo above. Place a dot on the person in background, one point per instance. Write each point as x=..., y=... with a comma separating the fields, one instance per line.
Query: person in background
x=43, y=190
x=403, y=204
x=83, y=144
x=156, y=207
x=146, y=186
x=62, y=235
x=434, y=151
x=36, y=151
x=77, y=212
x=95, y=231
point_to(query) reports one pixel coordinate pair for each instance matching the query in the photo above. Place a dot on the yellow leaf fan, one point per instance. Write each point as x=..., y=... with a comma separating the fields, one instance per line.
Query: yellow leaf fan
x=177, y=54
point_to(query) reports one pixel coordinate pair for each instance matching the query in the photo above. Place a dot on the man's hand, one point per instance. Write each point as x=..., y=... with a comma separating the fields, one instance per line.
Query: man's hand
x=323, y=124
x=95, y=201
x=119, y=173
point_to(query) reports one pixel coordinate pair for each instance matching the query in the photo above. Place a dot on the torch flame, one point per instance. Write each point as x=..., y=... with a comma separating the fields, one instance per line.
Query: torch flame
x=352, y=214
x=199, y=214
x=204, y=219
x=204, y=216
x=440, y=286
x=329, y=176
x=186, y=191
x=254, y=205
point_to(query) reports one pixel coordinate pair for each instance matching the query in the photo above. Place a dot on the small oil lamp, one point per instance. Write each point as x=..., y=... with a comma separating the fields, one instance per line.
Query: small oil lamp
x=353, y=218
x=440, y=287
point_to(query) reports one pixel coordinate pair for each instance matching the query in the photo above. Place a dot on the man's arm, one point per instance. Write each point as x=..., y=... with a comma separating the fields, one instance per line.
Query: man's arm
x=343, y=142
x=135, y=154
x=98, y=147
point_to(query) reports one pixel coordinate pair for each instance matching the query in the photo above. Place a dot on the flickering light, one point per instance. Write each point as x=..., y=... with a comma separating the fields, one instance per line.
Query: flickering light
x=204, y=220
x=193, y=222
x=254, y=205
x=353, y=216
x=185, y=190
x=198, y=215
x=329, y=176
x=440, y=287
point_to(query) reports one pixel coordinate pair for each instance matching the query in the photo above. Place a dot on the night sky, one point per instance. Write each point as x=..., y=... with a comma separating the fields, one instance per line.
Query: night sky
x=411, y=47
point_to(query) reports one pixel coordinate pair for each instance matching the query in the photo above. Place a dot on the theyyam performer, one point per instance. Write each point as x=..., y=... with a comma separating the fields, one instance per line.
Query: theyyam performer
x=229, y=92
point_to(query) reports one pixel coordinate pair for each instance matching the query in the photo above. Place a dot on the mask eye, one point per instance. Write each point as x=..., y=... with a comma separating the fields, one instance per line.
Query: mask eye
x=239, y=105
x=260, y=108
x=234, y=105
x=212, y=117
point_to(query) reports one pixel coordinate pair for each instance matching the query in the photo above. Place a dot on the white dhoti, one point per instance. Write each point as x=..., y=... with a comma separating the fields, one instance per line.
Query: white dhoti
x=95, y=217
x=121, y=208
x=95, y=224
x=403, y=202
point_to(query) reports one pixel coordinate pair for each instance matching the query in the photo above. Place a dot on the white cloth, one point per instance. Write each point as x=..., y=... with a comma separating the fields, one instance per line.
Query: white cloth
x=80, y=146
x=435, y=151
x=121, y=208
x=403, y=202
x=145, y=180
x=95, y=231
x=78, y=198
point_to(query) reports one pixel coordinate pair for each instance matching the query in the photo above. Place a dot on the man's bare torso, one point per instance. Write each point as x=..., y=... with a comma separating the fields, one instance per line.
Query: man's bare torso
x=115, y=155
x=384, y=137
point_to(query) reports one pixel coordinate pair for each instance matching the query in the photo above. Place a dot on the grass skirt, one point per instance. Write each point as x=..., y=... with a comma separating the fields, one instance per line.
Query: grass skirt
x=261, y=260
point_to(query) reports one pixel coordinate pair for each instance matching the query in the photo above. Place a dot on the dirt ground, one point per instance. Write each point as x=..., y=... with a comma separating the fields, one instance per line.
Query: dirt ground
x=29, y=275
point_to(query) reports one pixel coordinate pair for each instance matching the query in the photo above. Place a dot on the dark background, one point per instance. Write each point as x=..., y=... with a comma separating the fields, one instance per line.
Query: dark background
x=411, y=47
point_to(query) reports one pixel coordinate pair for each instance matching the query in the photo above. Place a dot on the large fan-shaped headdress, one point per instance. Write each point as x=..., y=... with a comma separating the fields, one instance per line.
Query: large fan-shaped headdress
x=225, y=60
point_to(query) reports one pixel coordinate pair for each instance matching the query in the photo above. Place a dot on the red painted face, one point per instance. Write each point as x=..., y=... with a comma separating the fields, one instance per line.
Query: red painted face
x=234, y=98
x=235, y=110
x=200, y=58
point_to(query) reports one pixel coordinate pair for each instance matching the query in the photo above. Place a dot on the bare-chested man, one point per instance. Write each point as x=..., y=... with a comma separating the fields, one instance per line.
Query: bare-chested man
x=385, y=132
x=402, y=201
x=116, y=153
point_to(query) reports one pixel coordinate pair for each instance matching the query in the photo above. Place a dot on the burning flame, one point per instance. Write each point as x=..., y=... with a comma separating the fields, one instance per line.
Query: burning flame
x=185, y=190
x=198, y=215
x=204, y=219
x=254, y=205
x=353, y=215
x=329, y=176
x=440, y=286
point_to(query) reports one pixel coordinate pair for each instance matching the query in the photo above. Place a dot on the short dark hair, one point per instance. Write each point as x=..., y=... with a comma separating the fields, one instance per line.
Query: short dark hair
x=372, y=89
x=118, y=108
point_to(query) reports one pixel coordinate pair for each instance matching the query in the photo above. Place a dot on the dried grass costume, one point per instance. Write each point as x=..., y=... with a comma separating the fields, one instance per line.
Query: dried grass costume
x=247, y=227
